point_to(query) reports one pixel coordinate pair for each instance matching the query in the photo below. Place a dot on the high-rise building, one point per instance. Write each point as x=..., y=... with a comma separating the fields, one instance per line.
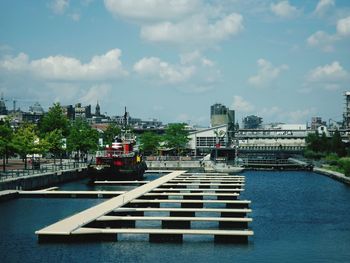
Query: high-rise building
x=347, y=110
x=97, y=110
x=3, y=109
x=252, y=122
x=317, y=122
x=219, y=115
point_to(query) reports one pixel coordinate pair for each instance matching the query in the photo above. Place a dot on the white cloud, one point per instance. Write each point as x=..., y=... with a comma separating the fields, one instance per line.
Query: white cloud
x=107, y=66
x=241, y=105
x=273, y=111
x=323, y=6
x=266, y=73
x=330, y=72
x=75, y=17
x=284, y=9
x=322, y=40
x=193, y=74
x=19, y=63
x=326, y=41
x=299, y=116
x=152, y=10
x=195, y=30
x=328, y=77
x=154, y=67
x=95, y=93
x=178, y=22
x=343, y=27
x=196, y=57
x=59, y=6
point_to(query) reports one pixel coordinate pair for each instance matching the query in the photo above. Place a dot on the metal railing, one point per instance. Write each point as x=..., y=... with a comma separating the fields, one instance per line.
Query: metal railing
x=173, y=158
x=44, y=168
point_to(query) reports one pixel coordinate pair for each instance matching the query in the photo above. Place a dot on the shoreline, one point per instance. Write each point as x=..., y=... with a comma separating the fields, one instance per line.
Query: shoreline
x=332, y=174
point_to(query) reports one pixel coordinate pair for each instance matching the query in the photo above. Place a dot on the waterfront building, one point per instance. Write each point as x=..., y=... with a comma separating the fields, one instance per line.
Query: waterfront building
x=222, y=115
x=34, y=115
x=68, y=111
x=317, y=122
x=204, y=140
x=252, y=122
x=279, y=141
x=83, y=112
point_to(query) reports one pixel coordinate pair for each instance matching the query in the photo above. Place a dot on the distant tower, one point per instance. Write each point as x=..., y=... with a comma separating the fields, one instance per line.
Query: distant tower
x=3, y=110
x=347, y=110
x=97, y=110
x=219, y=115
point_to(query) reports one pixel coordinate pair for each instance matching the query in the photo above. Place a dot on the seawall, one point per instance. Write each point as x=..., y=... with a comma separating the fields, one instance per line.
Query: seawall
x=43, y=180
x=332, y=174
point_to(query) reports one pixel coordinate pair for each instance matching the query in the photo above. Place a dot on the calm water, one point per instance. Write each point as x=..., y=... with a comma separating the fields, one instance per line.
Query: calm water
x=298, y=217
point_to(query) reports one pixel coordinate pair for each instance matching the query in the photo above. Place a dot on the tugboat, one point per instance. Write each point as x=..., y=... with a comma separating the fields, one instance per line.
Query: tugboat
x=119, y=161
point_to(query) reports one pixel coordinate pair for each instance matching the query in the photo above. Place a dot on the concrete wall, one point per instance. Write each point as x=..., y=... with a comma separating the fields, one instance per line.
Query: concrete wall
x=43, y=180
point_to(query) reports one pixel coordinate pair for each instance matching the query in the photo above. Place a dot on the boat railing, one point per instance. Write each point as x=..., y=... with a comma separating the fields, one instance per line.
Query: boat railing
x=114, y=153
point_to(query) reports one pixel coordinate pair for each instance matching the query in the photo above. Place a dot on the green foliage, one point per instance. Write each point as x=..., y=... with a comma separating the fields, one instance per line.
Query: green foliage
x=82, y=137
x=321, y=145
x=54, y=141
x=344, y=163
x=149, y=142
x=176, y=137
x=110, y=133
x=54, y=120
x=6, y=135
x=313, y=155
x=6, y=145
x=332, y=159
x=26, y=141
x=337, y=145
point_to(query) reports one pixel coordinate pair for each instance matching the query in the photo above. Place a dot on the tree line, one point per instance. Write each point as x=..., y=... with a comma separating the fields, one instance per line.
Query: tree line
x=332, y=151
x=56, y=135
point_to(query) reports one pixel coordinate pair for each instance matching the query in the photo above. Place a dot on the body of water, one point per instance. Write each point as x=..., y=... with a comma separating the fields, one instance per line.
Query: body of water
x=298, y=217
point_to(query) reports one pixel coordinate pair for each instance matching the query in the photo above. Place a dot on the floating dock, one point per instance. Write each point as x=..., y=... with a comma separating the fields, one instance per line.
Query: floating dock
x=175, y=202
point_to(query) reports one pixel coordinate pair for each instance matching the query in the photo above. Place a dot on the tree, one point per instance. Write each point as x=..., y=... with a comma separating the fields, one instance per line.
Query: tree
x=6, y=135
x=54, y=141
x=54, y=120
x=110, y=133
x=26, y=142
x=313, y=142
x=149, y=142
x=176, y=137
x=82, y=137
x=337, y=145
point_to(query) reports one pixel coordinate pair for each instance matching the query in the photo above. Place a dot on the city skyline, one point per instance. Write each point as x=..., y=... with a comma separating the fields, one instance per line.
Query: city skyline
x=285, y=61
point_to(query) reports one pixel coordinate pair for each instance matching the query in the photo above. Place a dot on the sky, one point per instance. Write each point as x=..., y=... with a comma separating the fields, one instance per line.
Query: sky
x=285, y=61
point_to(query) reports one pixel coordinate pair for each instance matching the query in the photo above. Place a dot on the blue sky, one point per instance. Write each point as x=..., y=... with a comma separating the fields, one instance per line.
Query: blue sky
x=285, y=61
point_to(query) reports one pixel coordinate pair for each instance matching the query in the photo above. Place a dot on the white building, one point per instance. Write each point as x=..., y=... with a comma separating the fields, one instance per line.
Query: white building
x=202, y=141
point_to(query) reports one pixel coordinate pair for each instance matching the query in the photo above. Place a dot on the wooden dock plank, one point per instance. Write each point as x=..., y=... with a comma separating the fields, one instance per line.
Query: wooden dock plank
x=121, y=182
x=191, y=201
x=175, y=218
x=176, y=209
x=84, y=230
x=203, y=190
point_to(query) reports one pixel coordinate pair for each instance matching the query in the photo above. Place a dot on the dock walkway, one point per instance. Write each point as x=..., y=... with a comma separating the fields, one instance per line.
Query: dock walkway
x=158, y=202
